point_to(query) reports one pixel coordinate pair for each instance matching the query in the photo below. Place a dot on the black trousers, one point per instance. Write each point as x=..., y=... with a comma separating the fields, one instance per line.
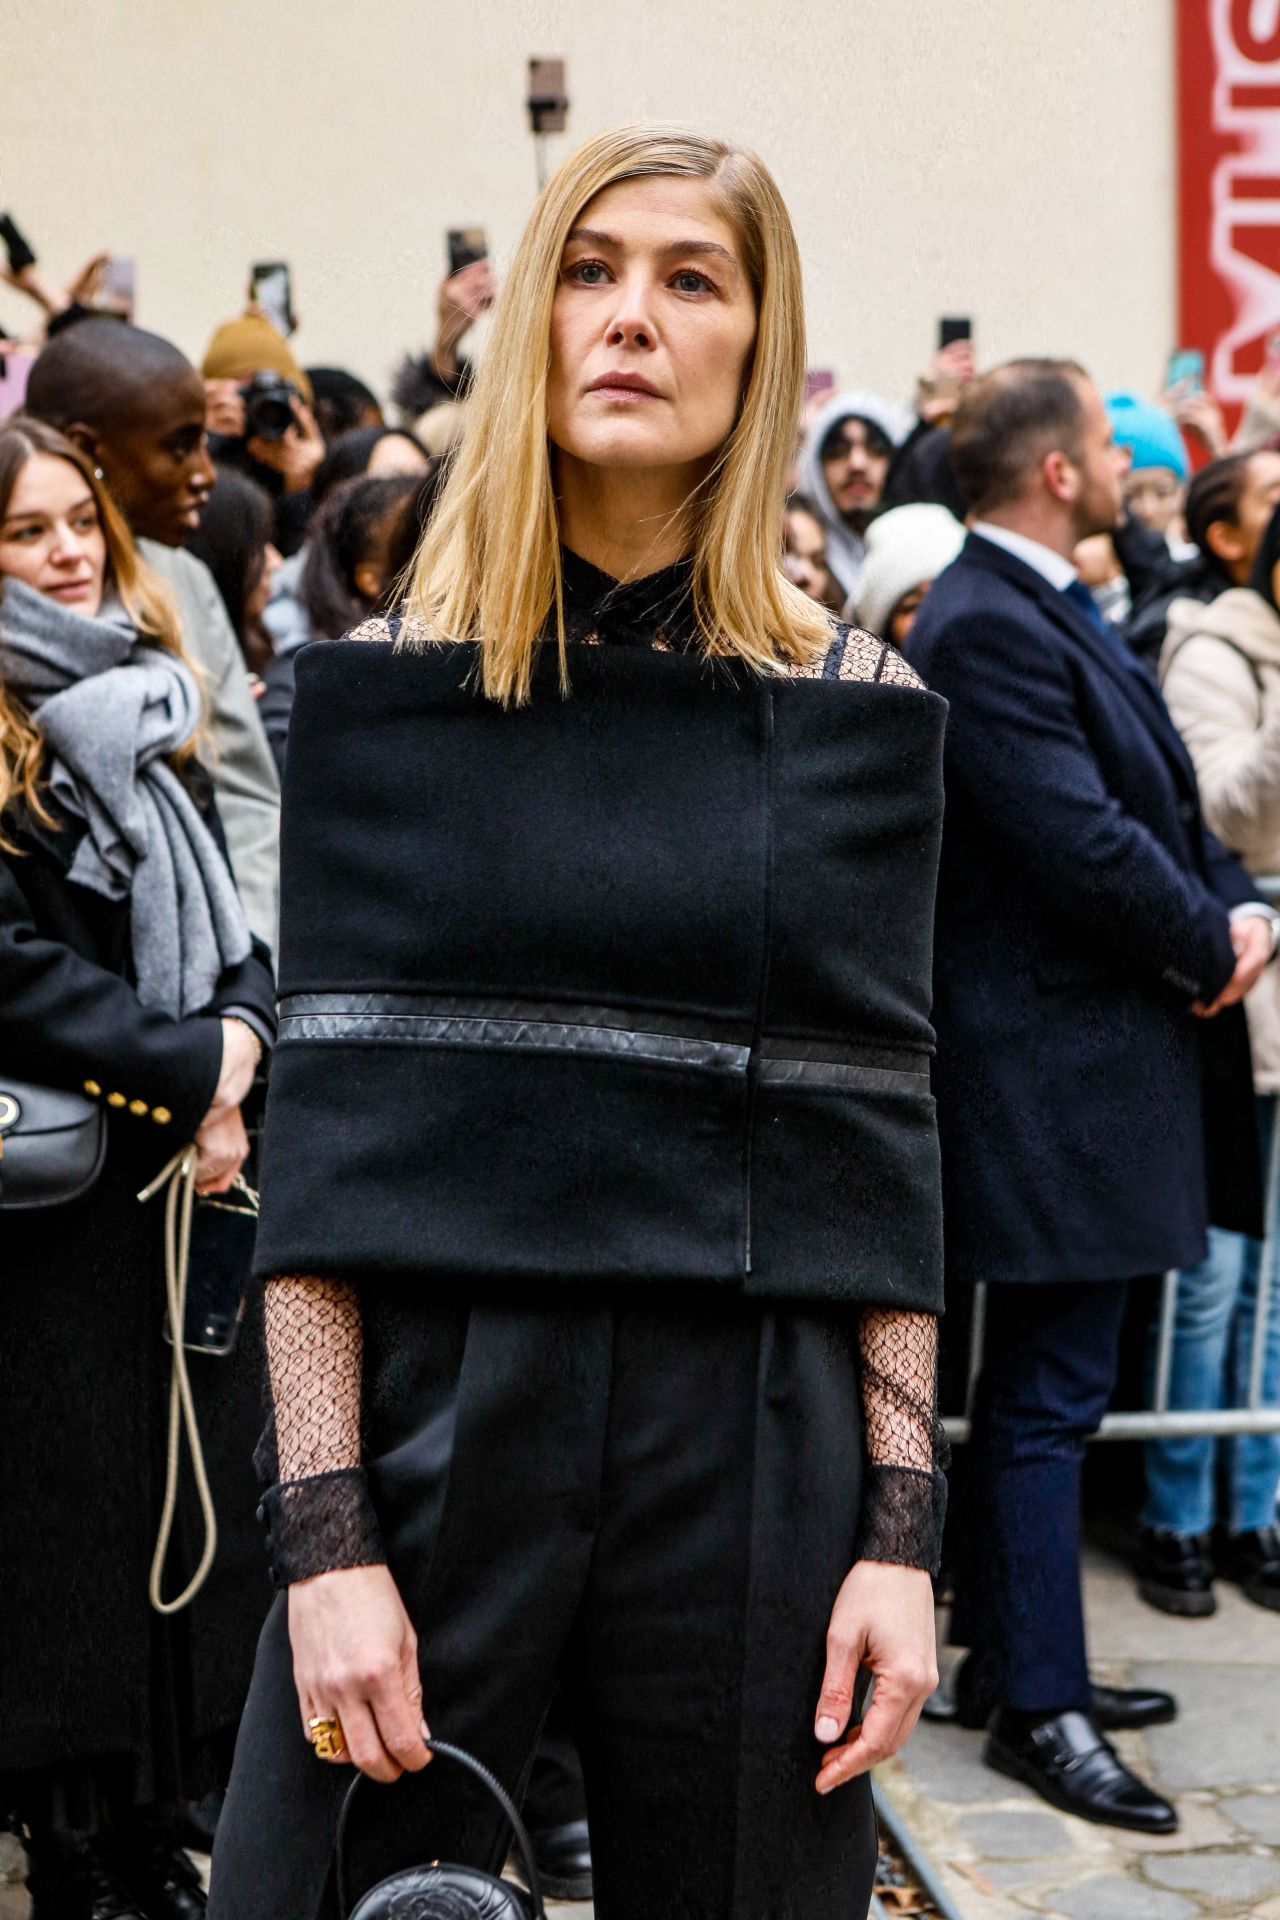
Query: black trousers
x=1049, y=1370
x=652, y=1495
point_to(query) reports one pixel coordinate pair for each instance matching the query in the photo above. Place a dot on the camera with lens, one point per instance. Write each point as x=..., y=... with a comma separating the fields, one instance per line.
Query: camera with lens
x=268, y=405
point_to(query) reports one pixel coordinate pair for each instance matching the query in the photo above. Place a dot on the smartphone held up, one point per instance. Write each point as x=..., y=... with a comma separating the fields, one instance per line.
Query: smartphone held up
x=466, y=245
x=271, y=288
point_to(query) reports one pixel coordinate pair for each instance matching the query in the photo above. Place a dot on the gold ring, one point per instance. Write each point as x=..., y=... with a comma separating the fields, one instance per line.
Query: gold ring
x=327, y=1738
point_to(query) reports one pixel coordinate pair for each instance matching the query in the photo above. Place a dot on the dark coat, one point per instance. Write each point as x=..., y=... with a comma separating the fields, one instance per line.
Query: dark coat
x=86, y=1667
x=1082, y=909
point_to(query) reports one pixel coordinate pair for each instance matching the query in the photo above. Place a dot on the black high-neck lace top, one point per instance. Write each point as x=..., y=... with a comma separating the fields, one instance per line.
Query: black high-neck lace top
x=319, y=1511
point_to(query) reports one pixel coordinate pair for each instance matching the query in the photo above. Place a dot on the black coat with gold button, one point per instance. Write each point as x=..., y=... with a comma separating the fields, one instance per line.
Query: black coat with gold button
x=86, y=1668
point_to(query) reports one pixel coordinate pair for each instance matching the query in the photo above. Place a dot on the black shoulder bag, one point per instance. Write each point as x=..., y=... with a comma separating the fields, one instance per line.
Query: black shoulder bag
x=442, y=1891
x=52, y=1145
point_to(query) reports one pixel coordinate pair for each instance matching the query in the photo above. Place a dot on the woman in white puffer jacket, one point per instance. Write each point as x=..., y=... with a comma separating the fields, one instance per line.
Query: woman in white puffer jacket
x=1220, y=672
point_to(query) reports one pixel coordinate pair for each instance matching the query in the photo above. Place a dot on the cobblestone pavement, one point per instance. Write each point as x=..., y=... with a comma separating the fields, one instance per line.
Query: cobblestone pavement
x=1003, y=1853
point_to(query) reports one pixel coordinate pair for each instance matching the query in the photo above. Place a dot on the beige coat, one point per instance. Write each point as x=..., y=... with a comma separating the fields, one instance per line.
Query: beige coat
x=1220, y=670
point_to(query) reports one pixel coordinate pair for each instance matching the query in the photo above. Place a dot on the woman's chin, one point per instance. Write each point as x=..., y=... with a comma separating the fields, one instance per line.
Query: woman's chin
x=629, y=446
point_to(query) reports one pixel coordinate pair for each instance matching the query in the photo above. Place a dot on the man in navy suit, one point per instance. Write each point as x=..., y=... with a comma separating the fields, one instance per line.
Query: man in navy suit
x=1093, y=945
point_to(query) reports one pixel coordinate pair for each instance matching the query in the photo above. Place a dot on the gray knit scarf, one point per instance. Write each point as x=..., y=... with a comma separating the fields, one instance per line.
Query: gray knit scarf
x=110, y=711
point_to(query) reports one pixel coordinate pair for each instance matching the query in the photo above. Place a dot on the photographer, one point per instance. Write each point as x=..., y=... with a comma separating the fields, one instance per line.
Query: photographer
x=261, y=419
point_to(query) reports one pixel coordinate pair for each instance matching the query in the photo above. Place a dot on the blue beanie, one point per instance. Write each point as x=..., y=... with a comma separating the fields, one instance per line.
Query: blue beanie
x=1150, y=434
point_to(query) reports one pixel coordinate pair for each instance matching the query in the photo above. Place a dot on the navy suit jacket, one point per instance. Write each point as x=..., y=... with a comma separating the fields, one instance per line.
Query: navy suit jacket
x=1090, y=1124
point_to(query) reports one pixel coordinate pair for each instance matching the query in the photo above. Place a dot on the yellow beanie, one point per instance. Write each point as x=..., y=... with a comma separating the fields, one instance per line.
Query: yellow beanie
x=250, y=345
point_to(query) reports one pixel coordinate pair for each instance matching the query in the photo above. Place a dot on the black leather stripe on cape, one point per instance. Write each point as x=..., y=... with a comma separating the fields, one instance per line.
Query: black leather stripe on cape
x=629, y=986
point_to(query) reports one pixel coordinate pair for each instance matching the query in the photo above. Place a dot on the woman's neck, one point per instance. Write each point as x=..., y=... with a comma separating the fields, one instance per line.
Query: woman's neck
x=627, y=521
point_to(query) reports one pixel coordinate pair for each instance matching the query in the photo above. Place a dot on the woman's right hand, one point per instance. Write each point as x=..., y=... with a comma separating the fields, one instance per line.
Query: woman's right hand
x=241, y=1053
x=355, y=1660
x=222, y=1147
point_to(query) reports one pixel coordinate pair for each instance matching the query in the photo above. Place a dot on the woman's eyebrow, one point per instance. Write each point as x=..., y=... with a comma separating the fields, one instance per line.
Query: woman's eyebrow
x=701, y=249
x=42, y=513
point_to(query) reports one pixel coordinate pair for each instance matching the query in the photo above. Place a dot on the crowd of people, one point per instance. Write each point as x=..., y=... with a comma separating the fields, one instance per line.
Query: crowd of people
x=1093, y=585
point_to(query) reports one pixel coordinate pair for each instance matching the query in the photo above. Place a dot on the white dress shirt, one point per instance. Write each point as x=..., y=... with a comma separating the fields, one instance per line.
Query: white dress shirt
x=1033, y=553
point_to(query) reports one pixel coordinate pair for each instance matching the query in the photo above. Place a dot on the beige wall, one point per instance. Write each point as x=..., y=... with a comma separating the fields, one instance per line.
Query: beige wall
x=1008, y=158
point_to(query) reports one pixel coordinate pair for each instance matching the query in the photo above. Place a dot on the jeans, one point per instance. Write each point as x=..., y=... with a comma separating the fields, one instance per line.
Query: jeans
x=1193, y=1482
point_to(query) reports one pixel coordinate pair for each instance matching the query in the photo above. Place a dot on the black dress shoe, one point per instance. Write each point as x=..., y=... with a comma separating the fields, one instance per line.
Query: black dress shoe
x=1252, y=1560
x=563, y=1859
x=1113, y=1709
x=1122, y=1709
x=1069, y=1764
x=109, y=1900
x=70, y=1883
x=160, y=1877
x=1175, y=1573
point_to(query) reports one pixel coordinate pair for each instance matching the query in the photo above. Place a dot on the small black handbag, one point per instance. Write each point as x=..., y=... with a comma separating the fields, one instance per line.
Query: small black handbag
x=52, y=1145
x=443, y=1891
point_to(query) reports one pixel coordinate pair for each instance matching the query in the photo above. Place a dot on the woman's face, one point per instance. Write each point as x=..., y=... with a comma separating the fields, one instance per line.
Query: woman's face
x=652, y=328
x=255, y=603
x=1153, y=496
x=51, y=536
x=903, y=617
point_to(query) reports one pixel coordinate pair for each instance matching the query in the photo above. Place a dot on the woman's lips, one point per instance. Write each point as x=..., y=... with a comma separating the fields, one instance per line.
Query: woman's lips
x=625, y=394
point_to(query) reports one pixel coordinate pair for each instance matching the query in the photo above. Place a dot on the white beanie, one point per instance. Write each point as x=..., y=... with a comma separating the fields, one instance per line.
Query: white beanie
x=906, y=547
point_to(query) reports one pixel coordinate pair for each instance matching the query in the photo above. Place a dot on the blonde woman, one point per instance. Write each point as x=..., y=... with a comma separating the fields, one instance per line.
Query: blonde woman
x=126, y=971
x=602, y=1230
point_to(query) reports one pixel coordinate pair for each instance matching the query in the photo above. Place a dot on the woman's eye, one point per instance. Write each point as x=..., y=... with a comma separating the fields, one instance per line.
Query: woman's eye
x=85, y=522
x=687, y=281
x=26, y=534
x=588, y=273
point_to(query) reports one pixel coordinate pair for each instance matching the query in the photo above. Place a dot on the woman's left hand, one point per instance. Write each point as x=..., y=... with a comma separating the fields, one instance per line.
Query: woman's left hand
x=882, y=1620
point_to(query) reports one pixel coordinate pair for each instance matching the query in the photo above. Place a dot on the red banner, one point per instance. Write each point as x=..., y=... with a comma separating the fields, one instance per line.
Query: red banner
x=1229, y=186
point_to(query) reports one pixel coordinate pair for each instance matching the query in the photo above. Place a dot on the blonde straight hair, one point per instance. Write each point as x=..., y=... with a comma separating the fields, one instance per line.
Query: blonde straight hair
x=488, y=568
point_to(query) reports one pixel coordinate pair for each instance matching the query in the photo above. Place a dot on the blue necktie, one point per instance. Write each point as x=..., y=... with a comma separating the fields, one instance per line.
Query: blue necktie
x=1117, y=646
x=1080, y=595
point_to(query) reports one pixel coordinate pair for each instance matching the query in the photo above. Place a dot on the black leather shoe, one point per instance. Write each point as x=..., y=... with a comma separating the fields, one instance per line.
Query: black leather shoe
x=109, y=1900
x=1122, y=1709
x=1069, y=1764
x=1175, y=1573
x=1114, y=1709
x=160, y=1877
x=563, y=1859
x=1252, y=1560
x=67, y=1882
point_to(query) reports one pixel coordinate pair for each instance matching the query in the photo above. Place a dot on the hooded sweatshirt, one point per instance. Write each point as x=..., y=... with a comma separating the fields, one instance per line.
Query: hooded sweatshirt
x=1220, y=671
x=845, y=548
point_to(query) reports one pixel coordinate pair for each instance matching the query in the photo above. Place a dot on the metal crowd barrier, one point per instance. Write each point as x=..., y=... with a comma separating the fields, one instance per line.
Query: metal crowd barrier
x=1161, y=1421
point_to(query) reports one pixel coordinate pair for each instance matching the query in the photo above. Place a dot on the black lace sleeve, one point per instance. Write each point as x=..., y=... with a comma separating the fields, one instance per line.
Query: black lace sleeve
x=317, y=1508
x=905, y=1498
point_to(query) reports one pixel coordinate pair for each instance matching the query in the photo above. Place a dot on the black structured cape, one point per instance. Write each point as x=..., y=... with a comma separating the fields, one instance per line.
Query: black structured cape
x=629, y=985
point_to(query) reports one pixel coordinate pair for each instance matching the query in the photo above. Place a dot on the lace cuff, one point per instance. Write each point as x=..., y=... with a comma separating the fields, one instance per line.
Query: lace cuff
x=903, y=1509
x=319, y=1524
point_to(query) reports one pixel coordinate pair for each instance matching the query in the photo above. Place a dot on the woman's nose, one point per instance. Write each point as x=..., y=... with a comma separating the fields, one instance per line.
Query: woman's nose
x=68, y=547
x=632, y=323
